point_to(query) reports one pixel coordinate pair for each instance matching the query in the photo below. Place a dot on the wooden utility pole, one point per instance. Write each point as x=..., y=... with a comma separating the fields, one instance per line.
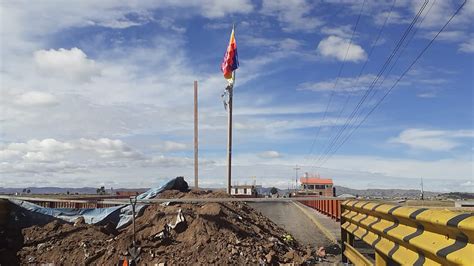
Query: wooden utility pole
x=196, y=162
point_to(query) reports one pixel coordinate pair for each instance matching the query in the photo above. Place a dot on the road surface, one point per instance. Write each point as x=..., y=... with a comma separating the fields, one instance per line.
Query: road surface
x=294, y=221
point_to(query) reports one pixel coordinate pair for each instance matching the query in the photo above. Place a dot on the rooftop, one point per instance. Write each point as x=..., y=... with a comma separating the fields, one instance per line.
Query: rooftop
x=316, y=180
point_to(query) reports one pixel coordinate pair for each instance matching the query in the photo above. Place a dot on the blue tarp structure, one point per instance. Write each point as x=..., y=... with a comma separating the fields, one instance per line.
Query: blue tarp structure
x=120, y=216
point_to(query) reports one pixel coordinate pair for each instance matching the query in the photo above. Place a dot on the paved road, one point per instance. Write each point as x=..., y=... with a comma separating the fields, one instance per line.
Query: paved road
x=294, y=221
x=332, y=227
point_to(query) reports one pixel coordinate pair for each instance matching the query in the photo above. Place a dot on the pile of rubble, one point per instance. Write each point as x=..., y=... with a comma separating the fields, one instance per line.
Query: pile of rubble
x=175, y=233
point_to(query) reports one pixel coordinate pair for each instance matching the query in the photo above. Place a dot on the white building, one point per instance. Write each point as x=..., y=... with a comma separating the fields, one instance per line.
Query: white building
x=243, y=191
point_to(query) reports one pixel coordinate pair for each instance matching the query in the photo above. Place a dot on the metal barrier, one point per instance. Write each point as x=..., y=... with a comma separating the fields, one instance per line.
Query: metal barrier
x=64, y=203
x=329, y=207
x=407, y=235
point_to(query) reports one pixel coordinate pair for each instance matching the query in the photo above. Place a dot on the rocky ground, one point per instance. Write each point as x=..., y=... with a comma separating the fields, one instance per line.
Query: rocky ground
x=207, y=233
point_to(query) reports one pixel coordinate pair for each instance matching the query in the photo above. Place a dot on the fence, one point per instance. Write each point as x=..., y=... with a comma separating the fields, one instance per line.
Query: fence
x=407, y=235
x=330, y=207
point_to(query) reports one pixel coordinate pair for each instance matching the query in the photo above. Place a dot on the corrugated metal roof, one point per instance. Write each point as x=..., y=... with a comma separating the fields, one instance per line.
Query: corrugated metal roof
x=315, y=180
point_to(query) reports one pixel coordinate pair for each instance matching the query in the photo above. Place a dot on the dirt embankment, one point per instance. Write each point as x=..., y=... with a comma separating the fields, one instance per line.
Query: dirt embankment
x=211, y=233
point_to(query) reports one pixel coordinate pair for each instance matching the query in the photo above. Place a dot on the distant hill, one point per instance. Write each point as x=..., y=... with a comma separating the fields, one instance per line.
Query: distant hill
x=458, y=195
x=384, y=193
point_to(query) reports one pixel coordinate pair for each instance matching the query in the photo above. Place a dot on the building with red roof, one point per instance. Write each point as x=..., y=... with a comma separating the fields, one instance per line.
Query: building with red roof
x=316, y=186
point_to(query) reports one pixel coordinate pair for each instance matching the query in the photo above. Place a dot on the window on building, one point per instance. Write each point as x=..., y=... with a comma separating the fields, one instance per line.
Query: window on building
x=236, y=190
x=320, y=193
x=245, y=191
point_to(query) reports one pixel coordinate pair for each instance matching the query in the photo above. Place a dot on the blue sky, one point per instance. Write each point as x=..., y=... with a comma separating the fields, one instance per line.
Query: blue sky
x=101, y=93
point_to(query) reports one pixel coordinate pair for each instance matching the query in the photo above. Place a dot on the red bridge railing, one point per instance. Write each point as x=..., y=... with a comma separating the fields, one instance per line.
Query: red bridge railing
x=68, y=203
x=330, y=207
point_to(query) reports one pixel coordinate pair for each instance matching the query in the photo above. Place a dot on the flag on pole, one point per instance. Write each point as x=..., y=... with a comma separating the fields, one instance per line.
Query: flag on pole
x=231, y=60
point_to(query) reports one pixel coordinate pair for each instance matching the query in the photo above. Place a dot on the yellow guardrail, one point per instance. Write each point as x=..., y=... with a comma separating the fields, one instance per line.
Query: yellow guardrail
x=407, y=235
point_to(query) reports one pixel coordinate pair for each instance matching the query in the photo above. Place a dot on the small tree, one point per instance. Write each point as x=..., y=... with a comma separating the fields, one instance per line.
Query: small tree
x=101, y=190
x=28, y=191
x=273, y=190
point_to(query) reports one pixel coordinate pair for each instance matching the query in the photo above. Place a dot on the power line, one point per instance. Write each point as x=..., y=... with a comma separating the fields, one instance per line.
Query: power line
x=374, y=44
x=337, y=80
x=400, y=78
x=402, y=51
x=372, y=85
x=357, y=111
x=374, y=92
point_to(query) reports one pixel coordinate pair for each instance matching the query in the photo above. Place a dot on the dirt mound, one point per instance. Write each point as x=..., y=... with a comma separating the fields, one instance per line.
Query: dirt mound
x=184, y=233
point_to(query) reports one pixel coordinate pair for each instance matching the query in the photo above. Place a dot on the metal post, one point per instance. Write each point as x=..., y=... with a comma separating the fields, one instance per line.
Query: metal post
x=381, y=259
x=422, y=192
x=229, y=138
x=343, y=245
x=196, y=162
x=132, y=203
x=296, y=177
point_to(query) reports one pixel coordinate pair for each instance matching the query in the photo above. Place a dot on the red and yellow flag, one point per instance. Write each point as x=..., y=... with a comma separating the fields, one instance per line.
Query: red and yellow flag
x=231, y=59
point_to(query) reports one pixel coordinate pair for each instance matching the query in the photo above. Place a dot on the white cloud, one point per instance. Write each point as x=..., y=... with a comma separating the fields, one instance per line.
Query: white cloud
x=36, y=98
x=395, y=18
x=427, y=94
x=451, y=36
x=114, y=14
x=426, y=81
x=370, y=171
x=46, y=145
x=7, y=154
x=269, y=154
x=72, y=170
x=292, y=14
x=468, y=46
x=107, y=148
x=171, y=146
x=48, y=149
x=40, y=156
x=336, y=47
x=121, y=21
x=434, y=140
x=341, y=31
x=72, y=64
x=174, y=162
x=287, y=44
x=344, y=84
x=279, y=110
x=218, y=9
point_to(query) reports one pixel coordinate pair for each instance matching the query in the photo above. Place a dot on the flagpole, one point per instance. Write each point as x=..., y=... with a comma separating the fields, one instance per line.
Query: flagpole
x=229, y=129
x=229, y=135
